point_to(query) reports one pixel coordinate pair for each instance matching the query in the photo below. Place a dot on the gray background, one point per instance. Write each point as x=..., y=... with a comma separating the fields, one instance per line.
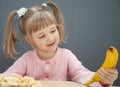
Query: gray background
x=91, y=26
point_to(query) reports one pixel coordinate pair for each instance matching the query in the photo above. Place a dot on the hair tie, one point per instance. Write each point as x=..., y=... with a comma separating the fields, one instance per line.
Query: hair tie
x=44, y=5
x=21, y=11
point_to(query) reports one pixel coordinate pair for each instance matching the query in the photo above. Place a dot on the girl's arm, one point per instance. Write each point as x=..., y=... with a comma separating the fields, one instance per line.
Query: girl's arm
x=19, y=67
x=77, y=72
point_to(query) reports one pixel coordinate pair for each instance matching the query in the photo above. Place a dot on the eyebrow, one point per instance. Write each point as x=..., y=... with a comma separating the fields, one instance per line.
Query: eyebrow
x=40, y=33
x=53, y=27
x=36, y=34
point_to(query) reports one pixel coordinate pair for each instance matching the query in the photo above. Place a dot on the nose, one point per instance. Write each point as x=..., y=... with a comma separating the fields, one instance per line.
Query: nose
x=50, y=38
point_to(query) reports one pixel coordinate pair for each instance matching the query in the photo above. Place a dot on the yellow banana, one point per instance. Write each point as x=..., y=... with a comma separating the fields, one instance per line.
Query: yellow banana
x=109, y=62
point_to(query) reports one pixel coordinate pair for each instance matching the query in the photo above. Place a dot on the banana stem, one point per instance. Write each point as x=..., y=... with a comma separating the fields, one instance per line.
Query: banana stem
x=89, y=82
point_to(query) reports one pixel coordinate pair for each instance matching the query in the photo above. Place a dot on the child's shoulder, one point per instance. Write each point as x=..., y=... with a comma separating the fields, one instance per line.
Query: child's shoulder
x=29, y=53
x=64, y=50
x=27, y=56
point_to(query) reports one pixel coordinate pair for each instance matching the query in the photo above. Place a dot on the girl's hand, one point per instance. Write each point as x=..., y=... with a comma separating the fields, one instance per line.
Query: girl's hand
x=108, y=76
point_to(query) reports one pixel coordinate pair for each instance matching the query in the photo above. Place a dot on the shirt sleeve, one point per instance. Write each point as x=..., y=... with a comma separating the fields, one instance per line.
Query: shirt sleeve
x=19, y=67
x=77, y=72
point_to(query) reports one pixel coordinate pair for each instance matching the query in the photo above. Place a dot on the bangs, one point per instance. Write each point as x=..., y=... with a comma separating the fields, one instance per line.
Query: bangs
x=39, y=21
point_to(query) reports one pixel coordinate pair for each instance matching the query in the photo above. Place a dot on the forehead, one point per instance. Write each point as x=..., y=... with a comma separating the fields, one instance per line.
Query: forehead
x=40, y=20
x=45, y=30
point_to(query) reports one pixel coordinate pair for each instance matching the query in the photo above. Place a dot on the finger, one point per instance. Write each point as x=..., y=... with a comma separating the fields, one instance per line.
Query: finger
x=106, y=78
x=109, y=72
x=113, y=73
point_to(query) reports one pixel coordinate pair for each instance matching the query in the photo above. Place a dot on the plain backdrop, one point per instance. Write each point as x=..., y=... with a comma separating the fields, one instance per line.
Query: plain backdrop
x=90, y=25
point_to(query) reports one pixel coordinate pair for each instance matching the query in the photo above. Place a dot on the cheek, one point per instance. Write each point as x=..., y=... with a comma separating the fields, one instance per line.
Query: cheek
x=39, y=42
x=57, y=35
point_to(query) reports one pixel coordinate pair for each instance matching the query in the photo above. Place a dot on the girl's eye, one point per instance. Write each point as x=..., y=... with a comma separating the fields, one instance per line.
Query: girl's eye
x=41, y=36
x=53, y=31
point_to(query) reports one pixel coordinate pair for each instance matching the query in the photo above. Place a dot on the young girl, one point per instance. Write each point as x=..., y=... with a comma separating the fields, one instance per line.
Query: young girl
x=43, y=29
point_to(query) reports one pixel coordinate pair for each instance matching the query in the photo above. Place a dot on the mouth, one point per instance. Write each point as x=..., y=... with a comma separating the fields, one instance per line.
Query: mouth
x=51, y=44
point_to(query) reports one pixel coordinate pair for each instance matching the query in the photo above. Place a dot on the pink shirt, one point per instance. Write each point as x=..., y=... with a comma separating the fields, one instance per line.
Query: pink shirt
x=62, y=66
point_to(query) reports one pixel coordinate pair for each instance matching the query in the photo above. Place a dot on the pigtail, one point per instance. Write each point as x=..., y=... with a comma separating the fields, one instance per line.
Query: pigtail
x=9, y=37
x=59, y=18
x=57, y=12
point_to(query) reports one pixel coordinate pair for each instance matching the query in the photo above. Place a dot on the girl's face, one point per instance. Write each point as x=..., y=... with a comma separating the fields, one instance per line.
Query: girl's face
x=47, y=39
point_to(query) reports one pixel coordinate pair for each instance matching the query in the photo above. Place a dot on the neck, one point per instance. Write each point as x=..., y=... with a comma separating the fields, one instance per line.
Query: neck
x=46, y=55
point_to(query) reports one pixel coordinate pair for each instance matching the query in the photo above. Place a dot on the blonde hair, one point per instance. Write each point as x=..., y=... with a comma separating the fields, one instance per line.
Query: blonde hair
x=35, y=18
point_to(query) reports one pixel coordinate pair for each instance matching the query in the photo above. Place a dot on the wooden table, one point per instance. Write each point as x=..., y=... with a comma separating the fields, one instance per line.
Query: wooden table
x=60, y=84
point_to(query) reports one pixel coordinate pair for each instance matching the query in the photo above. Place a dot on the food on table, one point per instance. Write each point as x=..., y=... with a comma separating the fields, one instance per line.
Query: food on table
x=15, y=80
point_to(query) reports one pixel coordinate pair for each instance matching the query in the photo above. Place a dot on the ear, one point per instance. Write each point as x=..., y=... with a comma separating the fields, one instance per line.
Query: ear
x=27, y=40
x=30, y=41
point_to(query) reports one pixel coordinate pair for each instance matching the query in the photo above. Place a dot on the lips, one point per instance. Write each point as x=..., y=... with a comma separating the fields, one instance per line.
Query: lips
x=51, y=44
